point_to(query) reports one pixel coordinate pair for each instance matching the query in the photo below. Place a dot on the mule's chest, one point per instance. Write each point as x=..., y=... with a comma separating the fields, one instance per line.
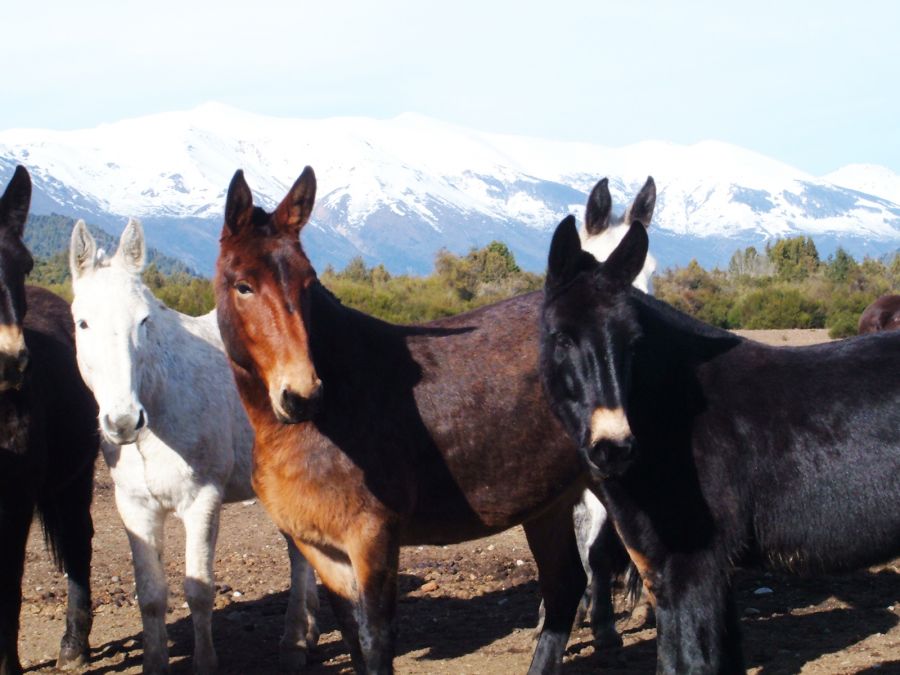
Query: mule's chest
x=154, y=473
x=316, y=499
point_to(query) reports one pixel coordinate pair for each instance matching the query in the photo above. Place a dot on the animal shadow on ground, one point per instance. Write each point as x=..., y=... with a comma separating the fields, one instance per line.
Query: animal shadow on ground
x=801, y=620
x=786, y=622
x=246, y=634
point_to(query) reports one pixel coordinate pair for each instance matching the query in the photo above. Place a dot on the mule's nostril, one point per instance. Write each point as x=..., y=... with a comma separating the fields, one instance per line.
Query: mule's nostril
x=297, y=408
x=141, y=421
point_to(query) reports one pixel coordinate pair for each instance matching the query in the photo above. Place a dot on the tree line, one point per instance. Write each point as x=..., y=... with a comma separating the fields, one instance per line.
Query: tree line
x=785, y=285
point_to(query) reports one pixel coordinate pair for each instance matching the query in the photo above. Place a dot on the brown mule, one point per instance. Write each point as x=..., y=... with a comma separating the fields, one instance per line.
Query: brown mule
x=370, y=436
x=882, y=314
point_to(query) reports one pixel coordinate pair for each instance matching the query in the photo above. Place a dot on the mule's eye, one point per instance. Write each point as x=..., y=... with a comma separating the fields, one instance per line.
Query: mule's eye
x=82, y=324
x=243, y=288
x=144, y=320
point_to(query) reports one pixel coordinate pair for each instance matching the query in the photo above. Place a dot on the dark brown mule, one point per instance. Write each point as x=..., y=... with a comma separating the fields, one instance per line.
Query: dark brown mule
x=882, y=314
x=370, y=436
x=48, y=438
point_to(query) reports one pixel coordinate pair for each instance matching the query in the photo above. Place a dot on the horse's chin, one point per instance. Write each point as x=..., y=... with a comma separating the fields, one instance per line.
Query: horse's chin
x=607, y=460
x=122, y=439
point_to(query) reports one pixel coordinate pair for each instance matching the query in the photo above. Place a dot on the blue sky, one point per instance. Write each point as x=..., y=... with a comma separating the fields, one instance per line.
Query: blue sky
x=814, y=84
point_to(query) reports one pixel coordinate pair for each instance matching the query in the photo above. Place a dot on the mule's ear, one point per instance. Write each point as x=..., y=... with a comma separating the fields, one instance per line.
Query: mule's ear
x=132, y=248
x=82, y=250
x=599, y=205
x=565, y=249
x=15, y=202
x=641, y=208
x=238, y=204
x=295, y=209
x=627, y=261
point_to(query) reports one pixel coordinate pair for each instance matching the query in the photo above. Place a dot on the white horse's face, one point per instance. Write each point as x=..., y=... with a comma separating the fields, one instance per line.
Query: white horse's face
x=112, y=310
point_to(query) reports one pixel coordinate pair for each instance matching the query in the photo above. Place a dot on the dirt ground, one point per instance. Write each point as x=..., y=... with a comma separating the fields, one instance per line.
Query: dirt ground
x=468, y=608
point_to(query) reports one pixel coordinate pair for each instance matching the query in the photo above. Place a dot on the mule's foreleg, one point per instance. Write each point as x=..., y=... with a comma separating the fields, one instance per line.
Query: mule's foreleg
x=300, y=629
x=15, y=521
x=201, y=528
x=376, y=561
x=551, y=538
x=697, y=624
x=362, y=586
x=594, y=531
x=76, y=532
x=144, y=525
x=336, y=572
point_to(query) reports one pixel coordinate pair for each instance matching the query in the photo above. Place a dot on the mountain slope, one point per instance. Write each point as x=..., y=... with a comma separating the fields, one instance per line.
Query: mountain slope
x=395, y=191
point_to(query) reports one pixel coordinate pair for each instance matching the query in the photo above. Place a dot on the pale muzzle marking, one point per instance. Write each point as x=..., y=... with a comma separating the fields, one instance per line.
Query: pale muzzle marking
x=609, y=424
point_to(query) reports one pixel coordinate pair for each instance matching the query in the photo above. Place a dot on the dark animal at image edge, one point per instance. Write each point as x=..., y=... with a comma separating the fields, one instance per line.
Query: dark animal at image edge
x=48, y=438
x=371, y=435
x=882, y=314
x=711, y=450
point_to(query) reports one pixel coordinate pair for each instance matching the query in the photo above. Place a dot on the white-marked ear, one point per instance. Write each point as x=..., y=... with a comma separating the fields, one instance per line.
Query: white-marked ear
x=132, y=249
x=599, y=204
x=641, y=208
x=82, y=251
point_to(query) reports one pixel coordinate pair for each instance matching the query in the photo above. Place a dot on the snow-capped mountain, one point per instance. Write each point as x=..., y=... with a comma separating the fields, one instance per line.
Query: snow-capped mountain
x=397, y=190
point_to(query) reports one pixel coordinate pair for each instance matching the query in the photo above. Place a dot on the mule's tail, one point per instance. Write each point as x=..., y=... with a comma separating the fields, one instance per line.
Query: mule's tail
x=50, y=512
x=620, y=565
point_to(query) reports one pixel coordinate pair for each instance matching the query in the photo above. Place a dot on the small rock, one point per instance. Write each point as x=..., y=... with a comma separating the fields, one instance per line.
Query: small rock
x=249, y=502
x=519, y=563
x=763, y=590
x=236, y=594
x=184, y=605
x=115, y=580
x=428, y=587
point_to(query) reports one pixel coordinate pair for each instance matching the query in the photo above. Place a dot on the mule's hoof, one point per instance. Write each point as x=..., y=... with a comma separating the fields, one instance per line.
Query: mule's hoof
x=291, y=659
x=72, y=655
x=607, y=638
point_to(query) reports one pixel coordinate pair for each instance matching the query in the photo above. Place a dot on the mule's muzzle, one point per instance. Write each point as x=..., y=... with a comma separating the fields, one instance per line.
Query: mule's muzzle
x=609, y=459
x=123, y=429
x=294, y=408
x=12, y=369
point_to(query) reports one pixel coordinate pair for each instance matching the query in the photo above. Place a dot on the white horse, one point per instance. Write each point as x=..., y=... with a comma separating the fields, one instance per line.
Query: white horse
x=600, y=237
x=176, y=440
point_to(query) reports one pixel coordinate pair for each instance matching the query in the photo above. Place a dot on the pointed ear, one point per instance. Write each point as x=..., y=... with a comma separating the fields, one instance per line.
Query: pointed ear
x=642, y=207
x=294, y=210
x=132, y=250
x=599, y=204
x=238, y=204
x=565, y=249
x=626, y=262
x=15, y=201
x=82, y=251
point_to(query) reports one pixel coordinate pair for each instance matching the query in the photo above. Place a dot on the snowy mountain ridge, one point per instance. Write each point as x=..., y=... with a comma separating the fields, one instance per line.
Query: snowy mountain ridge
x=397, y=190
